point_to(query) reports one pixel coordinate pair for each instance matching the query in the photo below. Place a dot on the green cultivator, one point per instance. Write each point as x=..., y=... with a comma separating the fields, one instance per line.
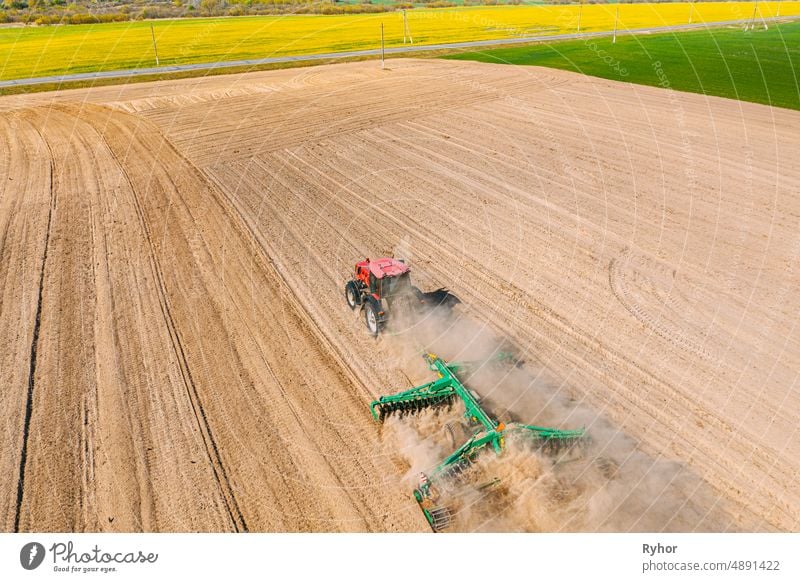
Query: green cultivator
x=487, y=433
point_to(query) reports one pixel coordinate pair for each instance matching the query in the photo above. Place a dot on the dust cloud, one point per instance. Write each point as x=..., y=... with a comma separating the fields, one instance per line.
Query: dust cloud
x=607, y=485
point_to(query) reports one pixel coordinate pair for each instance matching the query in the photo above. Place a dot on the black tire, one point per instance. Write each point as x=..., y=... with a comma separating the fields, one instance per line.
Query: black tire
x=371, y=318
x=351, y=294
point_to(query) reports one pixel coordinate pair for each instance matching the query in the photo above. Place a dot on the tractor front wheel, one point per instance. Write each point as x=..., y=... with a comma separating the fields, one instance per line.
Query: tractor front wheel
x=371, y=318
x=352, y=295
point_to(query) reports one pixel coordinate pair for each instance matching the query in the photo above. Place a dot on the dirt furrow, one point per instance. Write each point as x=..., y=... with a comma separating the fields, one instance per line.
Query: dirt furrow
x=655, y=413
x=237, y=521
x=297, y=246
x=218, y=251
x=196, y=367
x=27, y=208
x=62, y=348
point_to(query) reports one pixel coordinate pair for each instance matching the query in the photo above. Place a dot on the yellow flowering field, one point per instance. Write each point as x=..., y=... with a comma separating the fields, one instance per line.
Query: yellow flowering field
x=52, y=50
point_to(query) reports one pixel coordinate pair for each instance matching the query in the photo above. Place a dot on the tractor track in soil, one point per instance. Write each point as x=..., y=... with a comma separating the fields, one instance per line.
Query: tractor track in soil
x=297, y=242
x=316, y=330
x=161, y=245
x=220, y=476
x=220, y=382
x=23, y=456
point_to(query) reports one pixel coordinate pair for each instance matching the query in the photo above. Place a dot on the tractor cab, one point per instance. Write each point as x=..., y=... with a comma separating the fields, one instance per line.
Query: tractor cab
x=383, y=277
x=396, y=285
x=377, y=284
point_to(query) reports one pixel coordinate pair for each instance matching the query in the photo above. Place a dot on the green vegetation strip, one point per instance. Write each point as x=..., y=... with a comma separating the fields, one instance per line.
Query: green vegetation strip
x=762, y=66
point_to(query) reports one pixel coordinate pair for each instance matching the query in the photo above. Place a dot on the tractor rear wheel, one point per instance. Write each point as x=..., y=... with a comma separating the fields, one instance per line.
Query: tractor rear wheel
x=352, y=295
x=371, y=317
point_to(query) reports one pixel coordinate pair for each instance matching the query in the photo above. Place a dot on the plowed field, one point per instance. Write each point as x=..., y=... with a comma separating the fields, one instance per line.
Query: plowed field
x=178, y=355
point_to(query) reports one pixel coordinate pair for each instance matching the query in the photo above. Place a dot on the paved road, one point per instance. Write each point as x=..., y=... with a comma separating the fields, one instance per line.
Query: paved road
x=366, y=53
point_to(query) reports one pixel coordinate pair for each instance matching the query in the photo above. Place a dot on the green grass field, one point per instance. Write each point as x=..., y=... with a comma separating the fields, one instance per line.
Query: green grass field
x=56, y=50
x=762, y=66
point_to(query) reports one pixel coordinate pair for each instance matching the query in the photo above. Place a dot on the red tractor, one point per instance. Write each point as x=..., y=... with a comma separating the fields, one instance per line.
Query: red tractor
x=378, y=286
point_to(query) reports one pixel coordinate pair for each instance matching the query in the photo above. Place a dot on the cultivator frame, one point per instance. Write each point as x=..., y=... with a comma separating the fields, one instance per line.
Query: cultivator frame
x=488, y=433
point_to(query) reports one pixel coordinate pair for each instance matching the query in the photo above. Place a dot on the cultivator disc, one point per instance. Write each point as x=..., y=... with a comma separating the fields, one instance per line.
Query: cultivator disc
x=454, y=472
x=488, y=433
x=556, y=446
x=550, y=441
x=440, y=518
x=411, y=406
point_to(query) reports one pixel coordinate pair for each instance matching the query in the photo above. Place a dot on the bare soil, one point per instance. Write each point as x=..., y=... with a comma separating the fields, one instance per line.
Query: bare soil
x=178, y=355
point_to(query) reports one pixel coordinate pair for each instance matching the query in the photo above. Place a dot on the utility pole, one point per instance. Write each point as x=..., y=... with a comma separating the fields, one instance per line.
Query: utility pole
x=155, y=46
x=616, y=19
x=752, y=25
x=691, y=7
x=406, y=29
x=383, y=56
x=580, y=12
